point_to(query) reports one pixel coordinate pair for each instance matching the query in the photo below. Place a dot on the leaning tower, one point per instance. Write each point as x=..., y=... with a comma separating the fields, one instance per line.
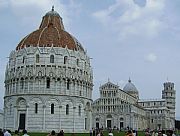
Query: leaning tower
x=48, y=81
x=170, y=95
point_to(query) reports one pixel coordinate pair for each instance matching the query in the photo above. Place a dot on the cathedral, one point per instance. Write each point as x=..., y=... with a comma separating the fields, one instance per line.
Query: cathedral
x=122, y=109
x=49, y=83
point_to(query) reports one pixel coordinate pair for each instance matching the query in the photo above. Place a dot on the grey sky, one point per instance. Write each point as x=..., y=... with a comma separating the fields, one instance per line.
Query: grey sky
x=126, y=38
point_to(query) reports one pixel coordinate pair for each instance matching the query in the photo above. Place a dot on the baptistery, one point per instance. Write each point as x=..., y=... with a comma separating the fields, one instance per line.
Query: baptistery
x=48, y=81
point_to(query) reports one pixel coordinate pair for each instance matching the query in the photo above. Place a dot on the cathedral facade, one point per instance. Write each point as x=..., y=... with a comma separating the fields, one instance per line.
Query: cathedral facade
x=122, y=109
x=48, y=81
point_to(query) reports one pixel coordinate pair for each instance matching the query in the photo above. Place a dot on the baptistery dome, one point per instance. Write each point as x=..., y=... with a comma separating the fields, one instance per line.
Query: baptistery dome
x=48, y=81
x=51, y=33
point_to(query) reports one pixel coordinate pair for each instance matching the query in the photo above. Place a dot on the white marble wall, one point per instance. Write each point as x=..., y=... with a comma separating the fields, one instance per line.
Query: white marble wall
x=26, y=84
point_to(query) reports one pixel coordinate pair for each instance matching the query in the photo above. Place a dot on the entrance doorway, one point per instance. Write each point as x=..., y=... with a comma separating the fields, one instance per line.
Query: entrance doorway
x=97, y=124
x=108, y=123
x=22, y=118
x=121, y=125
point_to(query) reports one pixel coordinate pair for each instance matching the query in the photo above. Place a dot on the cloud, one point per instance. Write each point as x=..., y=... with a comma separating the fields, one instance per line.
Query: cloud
x=130, y=19
x=151, y=57
x=28, y=12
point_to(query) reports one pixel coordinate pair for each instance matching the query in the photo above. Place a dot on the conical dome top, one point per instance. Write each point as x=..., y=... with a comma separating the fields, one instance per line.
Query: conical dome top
x=51, y=33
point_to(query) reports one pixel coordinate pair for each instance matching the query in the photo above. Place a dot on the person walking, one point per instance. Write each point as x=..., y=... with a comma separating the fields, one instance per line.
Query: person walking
x=53, y=133
x=16, y=133
x=61, y=133
x=25, y=133
x=7, y=133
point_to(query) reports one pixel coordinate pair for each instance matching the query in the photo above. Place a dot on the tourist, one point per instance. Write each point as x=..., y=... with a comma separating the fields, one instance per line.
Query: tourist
x=91, y=133
x=7, y=133
x=110, y=133
x=94, y=132
x=1, y=132
x=160, y=133
x=25, y=133
x=99, y=134
x=16, y=133
x=163, y=133
x=61, y=133
x=53, y=133
x=129, y=133
x=134, y=132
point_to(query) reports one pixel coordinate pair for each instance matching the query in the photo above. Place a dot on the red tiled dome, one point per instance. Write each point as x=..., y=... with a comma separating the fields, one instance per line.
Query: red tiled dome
x=50, y=33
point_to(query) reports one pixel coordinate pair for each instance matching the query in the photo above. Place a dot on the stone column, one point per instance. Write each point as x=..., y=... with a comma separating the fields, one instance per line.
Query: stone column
x=15, y=118
x=27, y=108
x=90, y=119
x=74, y=108
x=60, y=127
x=28, y=86
x=44, y=117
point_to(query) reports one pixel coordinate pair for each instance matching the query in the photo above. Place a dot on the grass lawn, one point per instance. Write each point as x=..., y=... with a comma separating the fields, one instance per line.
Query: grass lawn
x=87, y=134
x=82, y=134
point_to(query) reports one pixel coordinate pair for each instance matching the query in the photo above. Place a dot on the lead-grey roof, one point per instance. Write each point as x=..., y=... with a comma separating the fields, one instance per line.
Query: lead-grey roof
x=130, y=87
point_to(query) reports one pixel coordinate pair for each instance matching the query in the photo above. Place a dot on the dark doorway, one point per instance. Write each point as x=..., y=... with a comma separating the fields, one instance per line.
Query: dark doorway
x=159, y=126
x=121, y=125
x=108, y=123
x=22, y=121
x=97, y=124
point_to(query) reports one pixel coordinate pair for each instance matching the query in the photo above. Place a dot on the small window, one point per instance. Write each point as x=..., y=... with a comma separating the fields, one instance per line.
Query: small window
x=48, y=82
x=67, y=109
x=36, y=108
x=52, y=59
x=85, y=64
x=52, y=108
x=65, y=59
x=152, y=121
x=68, y=84
x=37, y=58
x=79, y=110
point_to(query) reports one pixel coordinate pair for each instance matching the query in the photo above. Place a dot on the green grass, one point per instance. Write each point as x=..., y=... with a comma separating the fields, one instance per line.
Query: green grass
x=140, y=133
x=79, y=134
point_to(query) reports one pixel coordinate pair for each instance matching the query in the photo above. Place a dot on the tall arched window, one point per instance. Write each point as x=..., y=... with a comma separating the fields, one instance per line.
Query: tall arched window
x=52, y=59
x=37, y=58
x=36, y=108
x=77, y=62
x=65, y=59
x=52, y=108
x=68, y=84
x=48, y=82
x=23, y=59
x=79, y=110
x=22, y=83
x=67, y=109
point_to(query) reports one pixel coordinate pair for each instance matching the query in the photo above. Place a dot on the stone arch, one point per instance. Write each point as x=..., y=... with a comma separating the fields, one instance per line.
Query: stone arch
x=21, y=103
x=109, y=116
x=36, y=99
x=88, y=106
x=54, y=100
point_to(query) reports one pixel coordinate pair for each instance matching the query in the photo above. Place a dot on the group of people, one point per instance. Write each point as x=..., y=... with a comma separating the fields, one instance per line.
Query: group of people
x=159, y=133
x=16, y=133
x=53, y=133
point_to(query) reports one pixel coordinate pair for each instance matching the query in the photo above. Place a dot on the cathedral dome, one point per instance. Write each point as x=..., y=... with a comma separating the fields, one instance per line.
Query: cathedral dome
x=130, y=87
x=51, y=33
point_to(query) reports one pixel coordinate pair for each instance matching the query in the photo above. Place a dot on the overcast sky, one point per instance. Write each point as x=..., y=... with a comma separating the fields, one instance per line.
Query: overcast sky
x=125, y=38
